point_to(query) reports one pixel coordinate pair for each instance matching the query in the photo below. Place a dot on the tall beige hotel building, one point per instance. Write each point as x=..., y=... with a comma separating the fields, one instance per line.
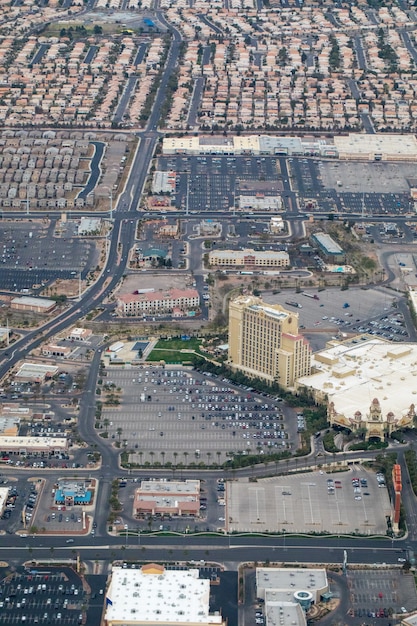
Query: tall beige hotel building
x=264, y=342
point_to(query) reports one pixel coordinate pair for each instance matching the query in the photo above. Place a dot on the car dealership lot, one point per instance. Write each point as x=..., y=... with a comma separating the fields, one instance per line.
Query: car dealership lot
x=305, y=503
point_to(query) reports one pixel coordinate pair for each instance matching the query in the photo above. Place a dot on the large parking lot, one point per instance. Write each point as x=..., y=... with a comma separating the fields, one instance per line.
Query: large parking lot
x=183, y=417
x=213, y=183
x=42, y=596
x=381, y=593
x=309, y=503
x=368, y=311
x=31, y=254
x=376, y=188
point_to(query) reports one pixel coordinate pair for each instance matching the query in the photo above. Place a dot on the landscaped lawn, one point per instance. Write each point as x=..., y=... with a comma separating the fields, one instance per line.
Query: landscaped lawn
x=172, y=350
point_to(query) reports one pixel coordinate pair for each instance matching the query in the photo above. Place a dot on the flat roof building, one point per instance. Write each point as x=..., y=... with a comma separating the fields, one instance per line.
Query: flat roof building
x=328, y=246
x=376, y=147
x=80, y=334
x=70, y=493
x=368, y=385
x=288, y=594
x=35, y=372
x=289, y=581
x=25, y=445
x=264, y=342
x=153, y=595
x=249, y=258
x=161, y=497
x=249, y=144
x=34, y=305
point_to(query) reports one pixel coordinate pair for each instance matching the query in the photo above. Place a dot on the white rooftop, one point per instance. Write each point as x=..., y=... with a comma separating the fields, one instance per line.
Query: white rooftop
x=352, y=375
x=36, y=370
x=78, y=331
x=282, y=613
x=378, y=143
x=291, y=580
x=14, y=443
x=159, y=596
x=4, y=492
x=186, y=487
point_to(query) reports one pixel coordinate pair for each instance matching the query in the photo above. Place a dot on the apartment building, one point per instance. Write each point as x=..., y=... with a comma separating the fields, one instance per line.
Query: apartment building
x=264, y=342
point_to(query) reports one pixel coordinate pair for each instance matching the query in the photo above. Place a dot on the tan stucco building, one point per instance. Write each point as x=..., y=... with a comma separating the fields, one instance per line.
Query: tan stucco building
x=264, y=342
x=369, y=384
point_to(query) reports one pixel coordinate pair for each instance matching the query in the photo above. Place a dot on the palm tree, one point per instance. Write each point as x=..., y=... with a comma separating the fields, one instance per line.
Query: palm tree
x=175, y=457
x=162, y=453
x=119, y=432
x=106, y=424
x=208, y=458
x=218, y=457
x=151, y=454
x=185, y=454
x=140, y=456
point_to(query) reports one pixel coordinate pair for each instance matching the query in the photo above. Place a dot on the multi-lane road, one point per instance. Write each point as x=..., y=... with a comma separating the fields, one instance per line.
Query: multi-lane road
x=226, y=548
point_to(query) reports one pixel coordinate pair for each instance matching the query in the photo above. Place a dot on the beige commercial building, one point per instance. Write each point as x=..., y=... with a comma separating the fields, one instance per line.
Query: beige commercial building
x=54, y=350
x=33, y=305
x=264, y=342
x=369, y=385
x=33, y=445
x=248, y=258
x=378, y=147
x=161, y=497
x=35, y=372
x=80, y=334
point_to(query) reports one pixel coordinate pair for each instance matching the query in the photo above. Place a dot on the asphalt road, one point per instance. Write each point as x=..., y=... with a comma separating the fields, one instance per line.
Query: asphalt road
x=227, y=548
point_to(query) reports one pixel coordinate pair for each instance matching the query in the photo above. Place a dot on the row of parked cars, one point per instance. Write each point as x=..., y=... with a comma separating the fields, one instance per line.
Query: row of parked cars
x=31, y=504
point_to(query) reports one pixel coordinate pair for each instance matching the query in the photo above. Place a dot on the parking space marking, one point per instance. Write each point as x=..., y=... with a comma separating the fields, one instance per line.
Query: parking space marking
x=257, y=505
x=283, y=504
x=310, y=502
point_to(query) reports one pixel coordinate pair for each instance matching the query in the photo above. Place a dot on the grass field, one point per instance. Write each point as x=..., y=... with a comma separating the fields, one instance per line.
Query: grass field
x=174, y=350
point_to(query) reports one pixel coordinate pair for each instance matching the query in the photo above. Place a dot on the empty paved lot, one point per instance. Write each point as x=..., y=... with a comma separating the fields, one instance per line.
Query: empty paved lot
x=301, y=503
